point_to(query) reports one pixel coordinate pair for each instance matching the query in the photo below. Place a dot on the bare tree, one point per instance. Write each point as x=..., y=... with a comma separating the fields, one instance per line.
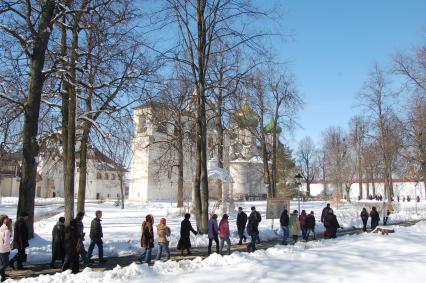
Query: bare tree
x=200, y=25
x=113, y=75
x=358, y=133
x=286, y=103
x=336, y=151
x=322, y=169
x=30, y=24
x=306, y=159
x=413, y=68
x=416, y=135
x=376, y=98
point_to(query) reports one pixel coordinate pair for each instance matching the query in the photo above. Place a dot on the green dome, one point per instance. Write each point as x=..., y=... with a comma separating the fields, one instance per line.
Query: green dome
x=269, y=128
x=246, y=117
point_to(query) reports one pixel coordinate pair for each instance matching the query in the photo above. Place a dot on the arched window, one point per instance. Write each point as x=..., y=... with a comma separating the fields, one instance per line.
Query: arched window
x=112, y=176
x=106, y=176
x=98, y=175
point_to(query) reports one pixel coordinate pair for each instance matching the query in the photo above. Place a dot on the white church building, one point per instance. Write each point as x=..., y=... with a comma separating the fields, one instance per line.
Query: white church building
x=154, y=171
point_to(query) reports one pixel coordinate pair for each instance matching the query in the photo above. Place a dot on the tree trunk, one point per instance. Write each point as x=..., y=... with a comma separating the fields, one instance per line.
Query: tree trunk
x=360, y=176
x=348, y=193
x=204, y=190
x=120, y=174
x=202, y=58
x=373, y=184
x=82, y=181
x=69, y=160
x=65, y=103
x=220, y=140
x=30, y=147
x=196, y=196
x=266, y=173
x=180, y=162
x=274, y=162
x=423, y=170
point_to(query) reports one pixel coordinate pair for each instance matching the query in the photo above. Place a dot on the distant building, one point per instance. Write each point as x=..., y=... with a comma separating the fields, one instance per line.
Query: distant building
x=401, y=188
x=103, y=174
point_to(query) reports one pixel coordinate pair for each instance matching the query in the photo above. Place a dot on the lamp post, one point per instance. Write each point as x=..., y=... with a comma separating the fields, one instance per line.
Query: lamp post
x=298, y=179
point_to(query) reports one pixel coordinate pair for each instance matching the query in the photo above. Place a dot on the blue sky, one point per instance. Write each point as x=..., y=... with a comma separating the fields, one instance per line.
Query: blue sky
x=333, y=46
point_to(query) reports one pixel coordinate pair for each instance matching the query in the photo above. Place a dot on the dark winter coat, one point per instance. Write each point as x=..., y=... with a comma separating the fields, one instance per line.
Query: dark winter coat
x=324, y=213
x=20, y=234
x=58, y=241
x=364, y=215
x=80, y=226
x=96, y=230
x=253, y=223
x=241, y=221
x=185, y=229
x=331, y=224
x=375, y=219
x=310, y=222
x=284, y=219
x=147, y=238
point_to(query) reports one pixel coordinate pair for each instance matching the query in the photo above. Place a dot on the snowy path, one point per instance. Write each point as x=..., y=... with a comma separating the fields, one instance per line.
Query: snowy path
x=365, y=257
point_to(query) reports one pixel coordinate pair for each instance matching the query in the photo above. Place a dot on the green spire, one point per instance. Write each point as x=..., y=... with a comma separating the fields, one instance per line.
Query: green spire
x=246, y=117
x=269, y=128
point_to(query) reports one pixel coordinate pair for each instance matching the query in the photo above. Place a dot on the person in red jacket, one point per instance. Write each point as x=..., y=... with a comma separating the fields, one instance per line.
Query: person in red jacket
x=224, y=233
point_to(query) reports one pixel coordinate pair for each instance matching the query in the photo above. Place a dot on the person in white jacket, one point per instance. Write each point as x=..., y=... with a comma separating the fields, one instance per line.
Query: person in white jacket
x=5, y=233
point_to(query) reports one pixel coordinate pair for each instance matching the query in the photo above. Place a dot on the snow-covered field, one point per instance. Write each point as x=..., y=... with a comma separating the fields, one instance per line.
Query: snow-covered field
x=346, y=259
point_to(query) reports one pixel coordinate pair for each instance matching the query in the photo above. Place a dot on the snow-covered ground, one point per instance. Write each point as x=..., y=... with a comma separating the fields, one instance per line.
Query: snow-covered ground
x=122, y=228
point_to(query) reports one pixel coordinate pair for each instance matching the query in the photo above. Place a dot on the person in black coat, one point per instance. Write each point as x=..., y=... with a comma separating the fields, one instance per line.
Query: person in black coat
x=241, y=224
x=58, y=238
x=82, y=251
x=253, y=228
x=284, y=219
x=364, y=218
x=310, y=225
x=185, y=229
x=331, y=224
x=73, y=242
x=325, y=212
x=20, y=241
x=96, y=236
x=375, y=218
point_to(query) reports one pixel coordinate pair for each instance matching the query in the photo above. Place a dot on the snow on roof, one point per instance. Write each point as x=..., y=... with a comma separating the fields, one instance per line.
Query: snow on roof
x=217, y=173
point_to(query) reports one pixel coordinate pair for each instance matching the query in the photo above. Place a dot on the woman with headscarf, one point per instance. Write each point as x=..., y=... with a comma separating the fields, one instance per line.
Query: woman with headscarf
x=147, y=239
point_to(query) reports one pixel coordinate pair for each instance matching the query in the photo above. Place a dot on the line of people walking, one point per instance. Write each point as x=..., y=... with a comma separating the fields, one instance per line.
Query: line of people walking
x=68, y=242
